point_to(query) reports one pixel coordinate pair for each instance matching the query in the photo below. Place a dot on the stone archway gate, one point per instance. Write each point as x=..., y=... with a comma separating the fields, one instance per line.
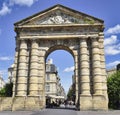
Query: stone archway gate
x=59, y=27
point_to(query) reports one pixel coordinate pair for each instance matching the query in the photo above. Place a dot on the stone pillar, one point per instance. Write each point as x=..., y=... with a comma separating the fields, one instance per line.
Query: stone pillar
x=76, y=77
x=15, y=73
x=96, y=68
x=33, y=80
x=84, y=68
x=99, y=100
x=42, y=78
x=15, y=68
x=22, y=70
x=103, y=70
x=85, y=96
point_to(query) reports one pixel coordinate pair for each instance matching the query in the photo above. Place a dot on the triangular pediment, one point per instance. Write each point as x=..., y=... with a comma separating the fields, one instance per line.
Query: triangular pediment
x=59, y=15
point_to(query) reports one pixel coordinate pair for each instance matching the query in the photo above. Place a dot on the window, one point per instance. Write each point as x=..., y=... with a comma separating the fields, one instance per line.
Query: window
x=47, y=68
x=47, y=87
x=47, y=77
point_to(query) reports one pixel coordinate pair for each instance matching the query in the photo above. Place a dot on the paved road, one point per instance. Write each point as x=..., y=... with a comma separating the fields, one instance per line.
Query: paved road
x=60, y=112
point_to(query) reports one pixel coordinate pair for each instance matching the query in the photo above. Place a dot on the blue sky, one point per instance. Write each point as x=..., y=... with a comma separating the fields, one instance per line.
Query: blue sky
x=12, y=11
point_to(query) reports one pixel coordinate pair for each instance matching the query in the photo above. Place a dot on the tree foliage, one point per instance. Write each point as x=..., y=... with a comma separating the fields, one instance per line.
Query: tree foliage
x=7, y=90
x=113, y=83
x=71, y=93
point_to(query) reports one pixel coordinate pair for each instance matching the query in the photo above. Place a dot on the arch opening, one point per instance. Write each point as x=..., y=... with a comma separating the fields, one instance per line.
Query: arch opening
x=61, y=61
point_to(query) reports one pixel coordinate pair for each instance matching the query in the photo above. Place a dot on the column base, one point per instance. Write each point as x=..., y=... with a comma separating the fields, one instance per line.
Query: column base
x=21, y=103
x=100, y=102
x=18, y=103
x=33, y=103
x=85, y=102
x=6, y=103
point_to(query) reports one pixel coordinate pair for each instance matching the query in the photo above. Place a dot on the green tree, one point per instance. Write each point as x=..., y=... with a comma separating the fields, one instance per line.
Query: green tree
x=71, y=93
x=113, y=83
x=7, y=90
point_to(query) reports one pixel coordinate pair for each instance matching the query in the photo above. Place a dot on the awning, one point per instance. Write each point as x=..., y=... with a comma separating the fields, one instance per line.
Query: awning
x=56, y=97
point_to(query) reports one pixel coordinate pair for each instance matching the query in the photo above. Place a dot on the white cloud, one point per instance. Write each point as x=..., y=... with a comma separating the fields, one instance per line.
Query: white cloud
x=113, y=30
x=22, y=2
x=112, y=64
x=112, y=47
x=111, y=40
x=69, y=69
x=7, y=6
x=3, y=72
x=5, y=10
x=112, y=50
x=6, y=58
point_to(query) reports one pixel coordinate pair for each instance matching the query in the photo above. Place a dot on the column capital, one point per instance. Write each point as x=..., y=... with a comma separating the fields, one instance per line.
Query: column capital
x=82, y=40
x=34, y=44
x=83, y=43
x=94, y=39
x=23, y=44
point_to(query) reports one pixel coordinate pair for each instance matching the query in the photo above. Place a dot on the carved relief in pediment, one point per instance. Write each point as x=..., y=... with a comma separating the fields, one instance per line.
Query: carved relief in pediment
x=59, y=17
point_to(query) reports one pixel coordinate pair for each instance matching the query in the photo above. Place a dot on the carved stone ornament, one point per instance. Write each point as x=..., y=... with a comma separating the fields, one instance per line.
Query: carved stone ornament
x=59, y=17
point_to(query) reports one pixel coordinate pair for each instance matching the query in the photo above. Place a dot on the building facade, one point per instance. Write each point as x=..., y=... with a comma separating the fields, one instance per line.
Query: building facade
x=57, y=28
x=10, y=73
x=53, y=88
x=113, y=70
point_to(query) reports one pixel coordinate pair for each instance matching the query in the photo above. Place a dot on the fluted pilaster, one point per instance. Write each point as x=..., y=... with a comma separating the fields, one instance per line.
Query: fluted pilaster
x=96, y=68
x=22, y=70
x=84, y=68
x=33, y=80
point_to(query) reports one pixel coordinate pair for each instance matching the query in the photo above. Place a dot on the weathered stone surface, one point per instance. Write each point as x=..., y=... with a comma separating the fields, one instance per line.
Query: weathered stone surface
x=6, y=103
x=59, y=28
x=99, y=102
x=18, y=103
x=32, y=103
x=86, y=102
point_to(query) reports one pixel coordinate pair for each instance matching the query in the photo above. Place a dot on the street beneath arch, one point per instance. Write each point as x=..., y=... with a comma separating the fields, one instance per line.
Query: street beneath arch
x=60, y=112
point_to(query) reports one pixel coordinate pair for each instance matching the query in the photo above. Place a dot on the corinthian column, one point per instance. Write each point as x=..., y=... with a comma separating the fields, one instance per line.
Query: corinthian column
x=33, y=80
x=22, y=70
x=84, y=67
x=96, y=67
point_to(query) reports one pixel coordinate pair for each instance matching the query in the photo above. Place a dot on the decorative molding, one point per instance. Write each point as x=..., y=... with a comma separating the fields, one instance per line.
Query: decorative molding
x=59, y=17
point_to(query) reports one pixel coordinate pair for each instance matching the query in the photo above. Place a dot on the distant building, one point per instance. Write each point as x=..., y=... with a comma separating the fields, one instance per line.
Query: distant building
x=113, y=70
x=10, y=73
x=54, y=90
x=2, y=82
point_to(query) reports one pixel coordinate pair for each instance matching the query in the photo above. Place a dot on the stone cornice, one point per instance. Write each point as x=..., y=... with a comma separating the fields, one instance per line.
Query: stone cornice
x=57, y=25
x=59, y=37
x=99, y=27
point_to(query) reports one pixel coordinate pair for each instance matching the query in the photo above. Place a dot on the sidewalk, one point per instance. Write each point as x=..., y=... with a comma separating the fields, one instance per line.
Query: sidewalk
x=60, y=112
